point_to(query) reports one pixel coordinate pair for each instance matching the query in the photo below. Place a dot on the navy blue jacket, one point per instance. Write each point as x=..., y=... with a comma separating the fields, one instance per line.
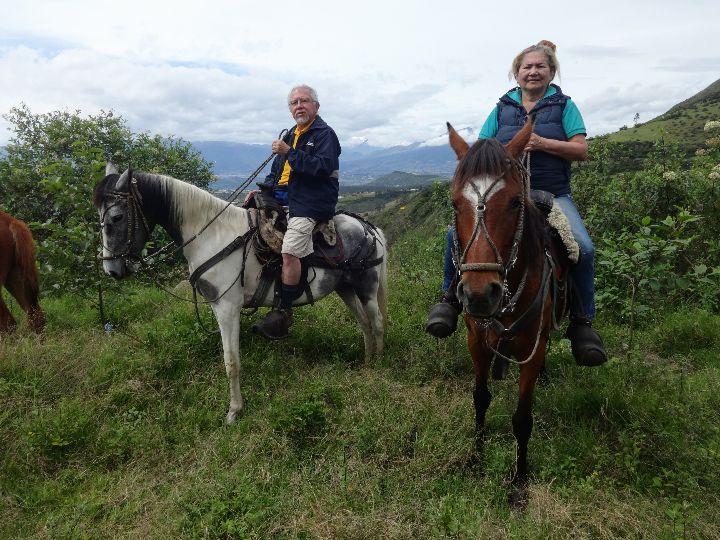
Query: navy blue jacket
x=547, y=172
x=313, y=186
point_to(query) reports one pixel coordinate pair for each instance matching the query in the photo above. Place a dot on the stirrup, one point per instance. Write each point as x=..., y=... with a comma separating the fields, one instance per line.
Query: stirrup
x=587, y=345
x=442, y=319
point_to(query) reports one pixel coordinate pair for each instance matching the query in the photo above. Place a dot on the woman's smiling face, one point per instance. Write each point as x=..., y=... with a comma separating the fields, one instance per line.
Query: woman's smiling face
x=535, y=72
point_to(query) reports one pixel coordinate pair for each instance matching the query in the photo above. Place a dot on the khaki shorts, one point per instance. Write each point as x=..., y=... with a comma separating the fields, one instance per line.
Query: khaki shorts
x=298, y=237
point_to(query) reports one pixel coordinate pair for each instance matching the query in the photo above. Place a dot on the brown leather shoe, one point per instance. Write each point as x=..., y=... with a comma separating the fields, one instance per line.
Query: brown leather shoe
x=587, y=345
x=275, y=325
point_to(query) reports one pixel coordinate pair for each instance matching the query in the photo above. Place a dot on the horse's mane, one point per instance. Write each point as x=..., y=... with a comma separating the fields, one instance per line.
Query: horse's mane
x=186, y=203
x=486, y=156
x=489, y=157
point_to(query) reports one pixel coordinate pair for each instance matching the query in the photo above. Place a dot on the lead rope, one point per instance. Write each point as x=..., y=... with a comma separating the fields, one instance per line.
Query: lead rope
x=544, y=292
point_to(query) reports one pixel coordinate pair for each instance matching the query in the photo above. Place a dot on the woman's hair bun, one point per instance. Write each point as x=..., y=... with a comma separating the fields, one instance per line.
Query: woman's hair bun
x=548, y=44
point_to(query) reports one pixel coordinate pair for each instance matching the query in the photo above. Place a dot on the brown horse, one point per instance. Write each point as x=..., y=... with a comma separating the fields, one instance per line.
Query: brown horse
x=18, y=273
x=510, y=283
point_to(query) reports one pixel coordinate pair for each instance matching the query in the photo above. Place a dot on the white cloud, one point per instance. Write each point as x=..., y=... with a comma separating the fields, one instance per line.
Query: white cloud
x=388, y=72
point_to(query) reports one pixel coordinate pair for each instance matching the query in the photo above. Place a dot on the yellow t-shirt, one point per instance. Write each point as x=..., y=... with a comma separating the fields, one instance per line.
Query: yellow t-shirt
x=285, y=176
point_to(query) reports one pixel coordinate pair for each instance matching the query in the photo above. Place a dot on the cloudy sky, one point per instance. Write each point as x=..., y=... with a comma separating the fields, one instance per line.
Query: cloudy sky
x=391, y=72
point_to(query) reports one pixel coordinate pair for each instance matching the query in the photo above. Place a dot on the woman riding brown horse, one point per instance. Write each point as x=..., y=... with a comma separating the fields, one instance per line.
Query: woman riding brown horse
x=18, y=273
x=512, y=280
x=557, y=140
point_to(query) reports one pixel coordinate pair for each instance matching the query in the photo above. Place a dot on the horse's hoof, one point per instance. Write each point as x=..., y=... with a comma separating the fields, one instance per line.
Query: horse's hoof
x=232, y=415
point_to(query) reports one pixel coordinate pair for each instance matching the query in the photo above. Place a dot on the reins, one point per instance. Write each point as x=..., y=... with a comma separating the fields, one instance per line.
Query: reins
x=234, y=195
x=133, y=201
x=480, y=226
x=134, y=195
x=508, y=303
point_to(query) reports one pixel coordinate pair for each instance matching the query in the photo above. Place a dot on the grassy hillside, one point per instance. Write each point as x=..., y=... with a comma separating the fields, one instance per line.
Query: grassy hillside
x=121, y=434
x=374, y=201
x=683, y=123
x=400, y=179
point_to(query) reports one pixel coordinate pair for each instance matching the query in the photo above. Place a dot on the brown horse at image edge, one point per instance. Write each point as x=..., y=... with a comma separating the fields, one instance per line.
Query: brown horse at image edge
x=512, y=279
x=18, y=273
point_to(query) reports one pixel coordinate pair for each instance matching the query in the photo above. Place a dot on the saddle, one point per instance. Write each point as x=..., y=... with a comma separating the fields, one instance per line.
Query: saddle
x=559, y=225
x=270, y=220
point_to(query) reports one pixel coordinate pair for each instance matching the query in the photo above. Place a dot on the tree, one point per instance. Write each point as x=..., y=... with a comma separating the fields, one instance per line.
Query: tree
x=51, y=165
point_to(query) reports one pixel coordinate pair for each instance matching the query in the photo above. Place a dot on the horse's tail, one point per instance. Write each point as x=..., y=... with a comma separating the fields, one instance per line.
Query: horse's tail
x=382, y=285
x=28, y=273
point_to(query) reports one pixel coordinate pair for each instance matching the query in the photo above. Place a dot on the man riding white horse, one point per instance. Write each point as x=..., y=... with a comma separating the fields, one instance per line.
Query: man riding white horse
x=304, y=176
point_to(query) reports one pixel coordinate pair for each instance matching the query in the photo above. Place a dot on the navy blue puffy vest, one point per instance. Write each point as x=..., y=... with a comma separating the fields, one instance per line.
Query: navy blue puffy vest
x=547, y=172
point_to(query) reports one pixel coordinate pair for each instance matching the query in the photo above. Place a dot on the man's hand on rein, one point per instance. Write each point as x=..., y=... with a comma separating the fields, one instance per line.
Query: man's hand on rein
x=280, y=147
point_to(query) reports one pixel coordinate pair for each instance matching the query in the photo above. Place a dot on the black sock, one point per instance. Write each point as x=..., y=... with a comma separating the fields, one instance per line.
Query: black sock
x=288, y=295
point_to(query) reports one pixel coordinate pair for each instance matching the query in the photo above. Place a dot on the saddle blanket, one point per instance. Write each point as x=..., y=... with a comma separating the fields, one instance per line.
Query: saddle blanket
x=559, y=222
x=272, y=226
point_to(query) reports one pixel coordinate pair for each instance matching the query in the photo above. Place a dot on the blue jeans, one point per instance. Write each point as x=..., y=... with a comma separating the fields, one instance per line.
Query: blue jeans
x=583, y=273
x=449, y=266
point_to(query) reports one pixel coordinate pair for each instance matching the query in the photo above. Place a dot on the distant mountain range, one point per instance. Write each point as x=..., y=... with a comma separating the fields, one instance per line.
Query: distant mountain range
x=364, y=163
x=359, y=164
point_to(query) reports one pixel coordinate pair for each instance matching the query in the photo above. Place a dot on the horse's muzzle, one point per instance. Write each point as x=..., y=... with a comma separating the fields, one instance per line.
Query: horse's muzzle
x=481, y=304
x=116, y=268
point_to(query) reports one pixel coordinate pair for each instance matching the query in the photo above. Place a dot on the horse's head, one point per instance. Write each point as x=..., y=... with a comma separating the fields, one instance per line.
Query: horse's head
x=489, y=200
x=124, y=227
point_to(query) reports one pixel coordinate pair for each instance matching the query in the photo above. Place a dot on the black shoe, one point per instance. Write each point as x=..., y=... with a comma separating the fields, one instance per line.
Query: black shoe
x=587, y=345
x=275, y=325
x=443, y=316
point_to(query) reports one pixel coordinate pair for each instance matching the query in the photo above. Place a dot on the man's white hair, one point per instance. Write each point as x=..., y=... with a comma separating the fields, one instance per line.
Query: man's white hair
x=310, y=89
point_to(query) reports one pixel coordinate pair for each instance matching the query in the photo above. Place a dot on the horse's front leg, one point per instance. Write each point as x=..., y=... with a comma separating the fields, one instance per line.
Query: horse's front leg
x=522, y=423
x=481, y=394
x=228, y=318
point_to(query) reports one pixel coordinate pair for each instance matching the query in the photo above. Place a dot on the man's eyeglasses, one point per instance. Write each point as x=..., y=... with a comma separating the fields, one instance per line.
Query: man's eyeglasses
x=300, y=101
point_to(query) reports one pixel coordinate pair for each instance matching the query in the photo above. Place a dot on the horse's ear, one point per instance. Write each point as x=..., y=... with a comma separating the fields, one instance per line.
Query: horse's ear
x=111, y=168
x=457, y=143
x=518, y=143
x=124, y=181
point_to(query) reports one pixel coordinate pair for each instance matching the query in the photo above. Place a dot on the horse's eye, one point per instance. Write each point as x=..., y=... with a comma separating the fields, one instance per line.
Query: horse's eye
x=515, y=202
x=116, y=218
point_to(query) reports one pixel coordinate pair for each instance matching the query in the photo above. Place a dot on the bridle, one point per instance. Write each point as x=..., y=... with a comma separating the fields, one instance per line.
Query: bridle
x=480, y=227
x=549, y=285
x=134, y=204
x=135, y=219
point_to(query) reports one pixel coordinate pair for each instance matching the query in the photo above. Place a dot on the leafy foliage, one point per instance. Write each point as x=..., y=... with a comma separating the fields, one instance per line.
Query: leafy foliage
x=656, y=229
x=48, y=173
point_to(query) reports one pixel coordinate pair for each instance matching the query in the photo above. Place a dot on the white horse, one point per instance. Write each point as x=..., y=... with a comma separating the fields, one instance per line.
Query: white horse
x=132, y=203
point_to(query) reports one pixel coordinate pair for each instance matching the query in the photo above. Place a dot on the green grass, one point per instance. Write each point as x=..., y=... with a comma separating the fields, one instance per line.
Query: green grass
x=682, y=124
x=373, y=201
x=122, y=435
